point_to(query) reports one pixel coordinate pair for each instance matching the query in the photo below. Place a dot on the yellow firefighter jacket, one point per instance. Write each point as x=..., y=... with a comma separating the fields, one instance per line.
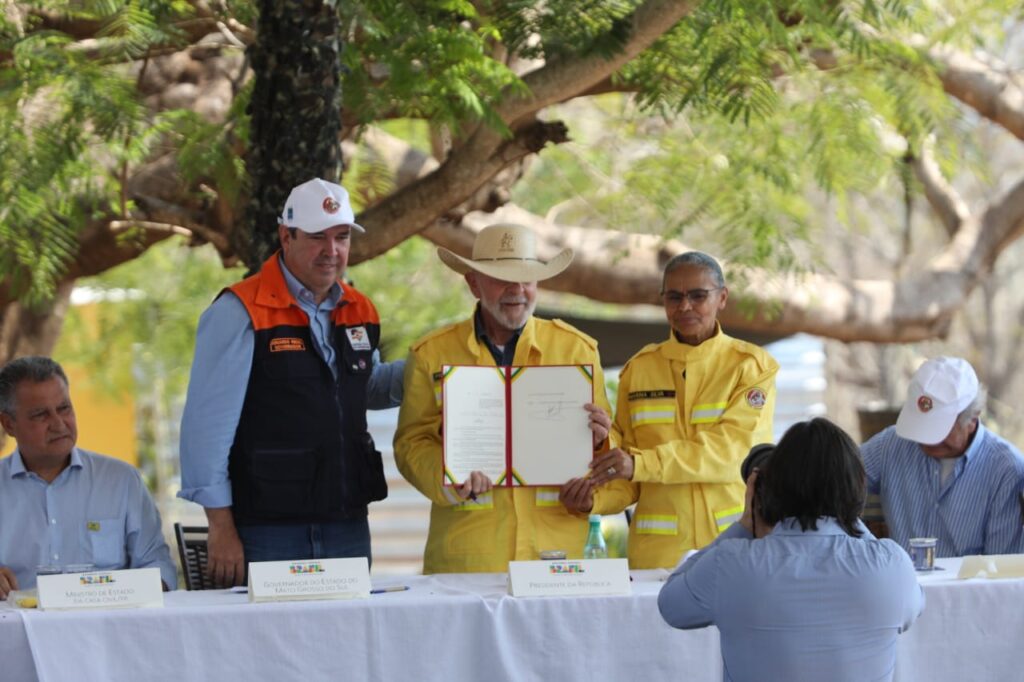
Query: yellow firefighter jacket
x=507, y=523
x=689, y=415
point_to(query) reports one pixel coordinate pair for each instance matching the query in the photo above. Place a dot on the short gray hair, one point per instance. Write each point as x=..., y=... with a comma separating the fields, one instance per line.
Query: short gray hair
x=34, y=368
x=697, y=258
x=976, y=407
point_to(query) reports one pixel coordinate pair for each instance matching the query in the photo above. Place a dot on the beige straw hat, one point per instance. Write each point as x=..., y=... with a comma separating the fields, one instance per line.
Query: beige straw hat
x=507, y=252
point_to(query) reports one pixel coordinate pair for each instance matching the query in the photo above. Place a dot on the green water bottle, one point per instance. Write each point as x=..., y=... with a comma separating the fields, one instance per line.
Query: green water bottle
x=595, y=547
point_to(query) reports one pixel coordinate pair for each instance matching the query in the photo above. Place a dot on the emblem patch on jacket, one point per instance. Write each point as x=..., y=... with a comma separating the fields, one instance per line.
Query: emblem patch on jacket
x=285, y=343
x=756, y=398
x=358, y=337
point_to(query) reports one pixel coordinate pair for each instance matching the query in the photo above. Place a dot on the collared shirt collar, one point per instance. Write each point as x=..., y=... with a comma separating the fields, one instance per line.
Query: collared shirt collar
x=827, y=525
x=18, y=464
x=501, y=357
x=299, y=291
x=677, y=350
x=975, y=446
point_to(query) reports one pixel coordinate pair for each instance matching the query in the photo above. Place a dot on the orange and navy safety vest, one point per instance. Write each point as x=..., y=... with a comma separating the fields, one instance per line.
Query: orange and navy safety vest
x=302, y=453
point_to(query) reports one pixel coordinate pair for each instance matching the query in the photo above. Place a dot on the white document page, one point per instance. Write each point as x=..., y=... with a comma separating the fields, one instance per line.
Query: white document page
x=474, y=422
x=551, y=437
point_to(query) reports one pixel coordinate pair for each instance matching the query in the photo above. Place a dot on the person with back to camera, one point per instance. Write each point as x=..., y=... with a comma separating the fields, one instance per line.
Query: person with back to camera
x=799, y=588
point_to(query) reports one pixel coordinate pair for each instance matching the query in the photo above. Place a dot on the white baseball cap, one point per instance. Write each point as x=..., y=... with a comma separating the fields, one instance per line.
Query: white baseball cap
x=940, y=389
x=318, y=205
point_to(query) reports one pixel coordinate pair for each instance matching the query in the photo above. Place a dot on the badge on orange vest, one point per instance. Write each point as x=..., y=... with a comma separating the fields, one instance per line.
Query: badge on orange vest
x=285, y=343
x=358, y=337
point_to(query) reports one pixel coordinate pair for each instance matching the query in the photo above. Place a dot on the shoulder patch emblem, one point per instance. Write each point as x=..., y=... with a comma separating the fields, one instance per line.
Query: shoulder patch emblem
x=756, y=398
x=286, y=343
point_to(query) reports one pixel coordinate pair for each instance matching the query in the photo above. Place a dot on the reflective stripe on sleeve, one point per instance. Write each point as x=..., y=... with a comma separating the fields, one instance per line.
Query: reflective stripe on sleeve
x=727, y=517
x=653, y=412
x=707, y=413
x=657, y=524
x=547, y=497
x=485, y=501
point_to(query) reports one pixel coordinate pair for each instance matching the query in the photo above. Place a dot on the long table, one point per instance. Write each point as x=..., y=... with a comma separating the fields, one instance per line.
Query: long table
x=466, y=627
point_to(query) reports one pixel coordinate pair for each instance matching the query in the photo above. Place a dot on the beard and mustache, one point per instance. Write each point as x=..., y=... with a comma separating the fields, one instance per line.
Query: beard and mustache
x=507, y=319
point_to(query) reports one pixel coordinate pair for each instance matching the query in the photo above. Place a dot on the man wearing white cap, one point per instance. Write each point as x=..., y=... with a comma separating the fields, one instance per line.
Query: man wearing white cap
x=476, y=527
x=274, y=443
x=941, y=474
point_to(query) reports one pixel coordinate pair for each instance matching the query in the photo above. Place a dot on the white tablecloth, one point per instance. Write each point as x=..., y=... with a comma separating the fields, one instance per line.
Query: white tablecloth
x=465, y=627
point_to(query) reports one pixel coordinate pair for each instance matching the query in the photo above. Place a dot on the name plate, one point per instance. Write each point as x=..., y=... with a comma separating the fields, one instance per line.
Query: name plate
x=568, y=578
x=309, y=579
x=130, y=588
x=992, y=566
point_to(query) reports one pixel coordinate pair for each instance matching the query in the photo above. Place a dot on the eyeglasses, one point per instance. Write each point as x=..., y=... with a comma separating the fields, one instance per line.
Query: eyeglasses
x=694, y=296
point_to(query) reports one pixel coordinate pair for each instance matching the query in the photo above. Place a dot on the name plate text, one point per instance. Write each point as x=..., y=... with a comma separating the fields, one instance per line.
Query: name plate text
x=309, y=579
x=568, y=578
x=129, y=588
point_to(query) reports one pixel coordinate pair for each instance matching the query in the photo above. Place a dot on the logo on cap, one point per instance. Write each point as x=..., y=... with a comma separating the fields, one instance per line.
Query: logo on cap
x=330, y=205
x=506, y=242
x=924, y=403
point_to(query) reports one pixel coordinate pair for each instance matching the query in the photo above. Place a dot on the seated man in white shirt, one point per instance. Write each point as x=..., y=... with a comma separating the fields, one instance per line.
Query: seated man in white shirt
x=61, y=505
x=799, y=588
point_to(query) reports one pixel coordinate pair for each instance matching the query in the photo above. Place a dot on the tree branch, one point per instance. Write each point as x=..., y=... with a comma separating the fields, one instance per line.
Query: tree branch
x=562, y=79
x=626, y=268
x=419, y=204
x=996, y=95
x=943, y=198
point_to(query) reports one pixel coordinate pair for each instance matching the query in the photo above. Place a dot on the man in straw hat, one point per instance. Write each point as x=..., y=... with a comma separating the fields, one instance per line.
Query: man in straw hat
x=474, y=527
x=274, y=443
x=941, y=474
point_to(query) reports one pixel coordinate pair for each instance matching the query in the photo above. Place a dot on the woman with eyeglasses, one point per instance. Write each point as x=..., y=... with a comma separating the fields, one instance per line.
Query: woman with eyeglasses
x=689, y=409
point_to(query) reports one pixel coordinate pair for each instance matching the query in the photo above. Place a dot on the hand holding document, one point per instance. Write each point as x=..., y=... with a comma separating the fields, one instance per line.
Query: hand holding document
x=517, y=425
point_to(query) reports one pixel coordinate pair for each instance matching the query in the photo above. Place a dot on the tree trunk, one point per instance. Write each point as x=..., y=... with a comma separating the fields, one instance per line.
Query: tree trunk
x=296, y=114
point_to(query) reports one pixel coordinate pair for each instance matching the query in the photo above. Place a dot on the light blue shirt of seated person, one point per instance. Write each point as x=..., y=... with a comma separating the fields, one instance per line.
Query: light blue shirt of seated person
x=225, y=342
x=97, y=511
x=798, y=606
x=976, y=510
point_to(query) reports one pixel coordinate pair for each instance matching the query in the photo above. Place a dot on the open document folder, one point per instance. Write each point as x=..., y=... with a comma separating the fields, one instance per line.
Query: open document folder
x=517, y=425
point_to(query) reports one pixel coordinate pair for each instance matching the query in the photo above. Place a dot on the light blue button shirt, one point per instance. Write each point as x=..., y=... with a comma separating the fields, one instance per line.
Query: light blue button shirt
x=977, y=510
x=97, y=511
x=225, y=342
x=798, y=606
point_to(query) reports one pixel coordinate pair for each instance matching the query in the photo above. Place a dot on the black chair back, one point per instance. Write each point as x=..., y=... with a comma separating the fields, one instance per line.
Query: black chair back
x=192, y=552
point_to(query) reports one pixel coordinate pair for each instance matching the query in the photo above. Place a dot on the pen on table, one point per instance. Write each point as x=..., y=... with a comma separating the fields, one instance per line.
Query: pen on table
x=394, y=588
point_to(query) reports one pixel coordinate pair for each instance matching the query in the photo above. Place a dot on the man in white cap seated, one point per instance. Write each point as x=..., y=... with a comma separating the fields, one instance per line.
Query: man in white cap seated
x=474, y=527
x=274, y=443
x=941, y=474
